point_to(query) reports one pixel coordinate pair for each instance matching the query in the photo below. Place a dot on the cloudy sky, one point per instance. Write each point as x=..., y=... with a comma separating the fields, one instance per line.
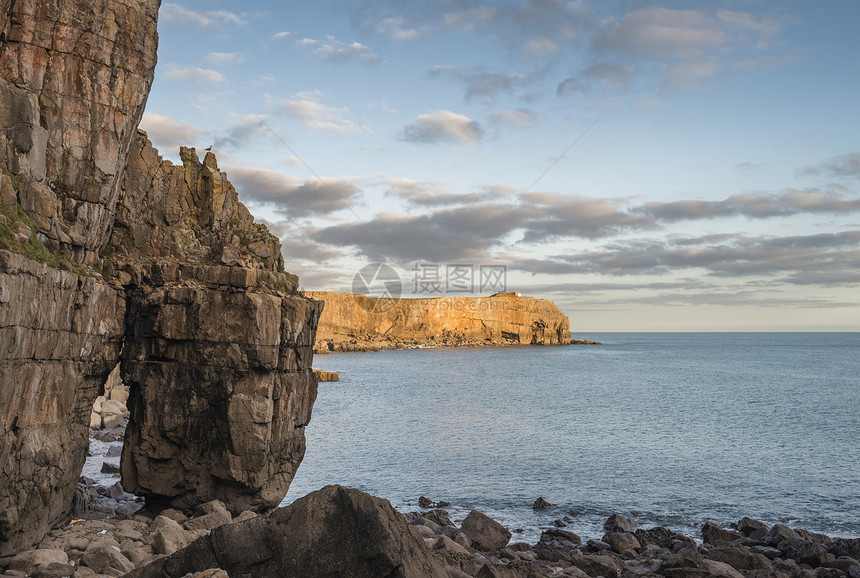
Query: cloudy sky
x=648, y=166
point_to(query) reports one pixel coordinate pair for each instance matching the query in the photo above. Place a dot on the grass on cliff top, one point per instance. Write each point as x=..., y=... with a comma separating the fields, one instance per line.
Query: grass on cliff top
x=34, y=248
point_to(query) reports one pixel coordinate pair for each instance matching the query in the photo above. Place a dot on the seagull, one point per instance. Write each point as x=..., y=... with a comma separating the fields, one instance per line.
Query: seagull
x=209, y=149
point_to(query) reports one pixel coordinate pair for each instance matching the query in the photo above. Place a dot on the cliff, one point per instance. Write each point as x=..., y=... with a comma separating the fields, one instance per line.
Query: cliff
x=74, y=77
x=108, y=255
x=357, y=323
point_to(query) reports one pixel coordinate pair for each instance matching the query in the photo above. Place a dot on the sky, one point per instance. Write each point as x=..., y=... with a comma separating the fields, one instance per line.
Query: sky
x=647, y=166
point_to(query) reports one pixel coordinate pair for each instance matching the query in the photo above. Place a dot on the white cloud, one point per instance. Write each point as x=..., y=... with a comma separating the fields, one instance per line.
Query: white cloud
x=660, y=33
x=397, y=29
x=223, y=58
x=176, y=14
x=280, y=35
x=516, y=118
x=168, y=134
x=333, y=50
x=195, y=75
x=442, y=126
x=317, y=116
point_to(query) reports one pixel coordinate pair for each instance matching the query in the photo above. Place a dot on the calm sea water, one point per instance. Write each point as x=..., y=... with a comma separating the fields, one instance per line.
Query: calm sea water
x=674, y=429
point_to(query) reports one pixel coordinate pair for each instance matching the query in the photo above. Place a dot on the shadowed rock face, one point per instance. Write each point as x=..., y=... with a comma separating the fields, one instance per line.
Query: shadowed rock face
x=216, y=342
x=335, y=531
x=355, y=322
x=74, y=78
x=217, y=357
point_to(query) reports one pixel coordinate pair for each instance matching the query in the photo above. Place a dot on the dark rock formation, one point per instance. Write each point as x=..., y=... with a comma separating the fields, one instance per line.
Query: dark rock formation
x=217, y=357
x=358, y=323
x=332, y=532
x=74, y=77
x=161, y=262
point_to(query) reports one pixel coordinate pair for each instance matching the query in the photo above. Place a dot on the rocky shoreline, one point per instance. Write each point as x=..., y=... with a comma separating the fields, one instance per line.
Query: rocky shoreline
x=319, y=533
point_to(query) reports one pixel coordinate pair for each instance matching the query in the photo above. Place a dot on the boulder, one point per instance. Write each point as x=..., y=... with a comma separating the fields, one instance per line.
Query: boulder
x=485, y=533
x=712, y=533
x=28, y=561
x=803, y=552
x=169, y=536
x=618, y=523
x=331, y=532
x=778, y=534
x=102, y=557
x=739, y=557
x=622, y=541
x=541, y=504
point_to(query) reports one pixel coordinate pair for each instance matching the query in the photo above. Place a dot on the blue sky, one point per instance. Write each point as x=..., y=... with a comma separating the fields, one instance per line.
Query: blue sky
x=674, y=166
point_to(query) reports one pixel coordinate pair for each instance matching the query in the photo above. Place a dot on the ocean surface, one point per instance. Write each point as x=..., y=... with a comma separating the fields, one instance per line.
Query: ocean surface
x=672, y=429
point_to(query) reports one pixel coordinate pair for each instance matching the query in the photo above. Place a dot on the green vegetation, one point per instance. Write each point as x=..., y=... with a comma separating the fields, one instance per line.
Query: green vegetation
x=16, y=184
x=108, y=265
x=124, y=68
x=33, y=248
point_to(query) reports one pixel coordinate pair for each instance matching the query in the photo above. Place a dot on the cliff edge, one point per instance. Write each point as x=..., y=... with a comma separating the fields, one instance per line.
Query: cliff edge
x=110, y=255
x=352, y=322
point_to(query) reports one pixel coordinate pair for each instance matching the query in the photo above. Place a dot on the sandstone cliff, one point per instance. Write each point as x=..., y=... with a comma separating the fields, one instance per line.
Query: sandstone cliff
x=109, y=254
x=356, y=323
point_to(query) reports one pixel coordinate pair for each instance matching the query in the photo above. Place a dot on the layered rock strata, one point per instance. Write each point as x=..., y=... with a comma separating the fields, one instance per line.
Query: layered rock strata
x=218, y=344
x=352, y=322
x=161, y=262
x=74, y=78
x=60, y=336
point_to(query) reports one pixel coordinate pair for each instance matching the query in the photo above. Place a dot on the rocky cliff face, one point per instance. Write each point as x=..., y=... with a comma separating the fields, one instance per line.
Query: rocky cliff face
x=356, y=323
x=218, y=343
x=159, y=262
x=74, y=77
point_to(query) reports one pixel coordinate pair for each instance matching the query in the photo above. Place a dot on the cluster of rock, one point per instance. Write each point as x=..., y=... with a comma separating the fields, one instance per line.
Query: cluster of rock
x=116, y=546
x=750, y=550
x=110, y=410
x=326, y=375
x=352, y=322
x=338, y=531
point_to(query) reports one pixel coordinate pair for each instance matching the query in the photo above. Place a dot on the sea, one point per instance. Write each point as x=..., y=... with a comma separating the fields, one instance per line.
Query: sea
x=671, y=429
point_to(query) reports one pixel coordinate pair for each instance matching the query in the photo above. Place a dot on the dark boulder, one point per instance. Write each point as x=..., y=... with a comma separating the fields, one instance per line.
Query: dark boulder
x=618, y=523
x=712, y=534
x=335, y=531
x=485, y=533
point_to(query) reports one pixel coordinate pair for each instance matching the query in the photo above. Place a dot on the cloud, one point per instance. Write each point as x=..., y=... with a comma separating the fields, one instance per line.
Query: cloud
x=575, y=216
x=658, y=33
x=518, y=118
x=176, y=14
x=195, y=75
x=306, y=108
x=282, y=35
x=569, y=86
x=785, y=258
x=467, y=20
x=481, y=85
x=443, y=126
x=333, y=50
x=434, y=193
x=398, y=29
x=168, y=134
x=291, y=196
x=440, y=236
x=239, y=133
x=847, y=165
x=223, y=58
x=688, y=75
x=759, y=206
